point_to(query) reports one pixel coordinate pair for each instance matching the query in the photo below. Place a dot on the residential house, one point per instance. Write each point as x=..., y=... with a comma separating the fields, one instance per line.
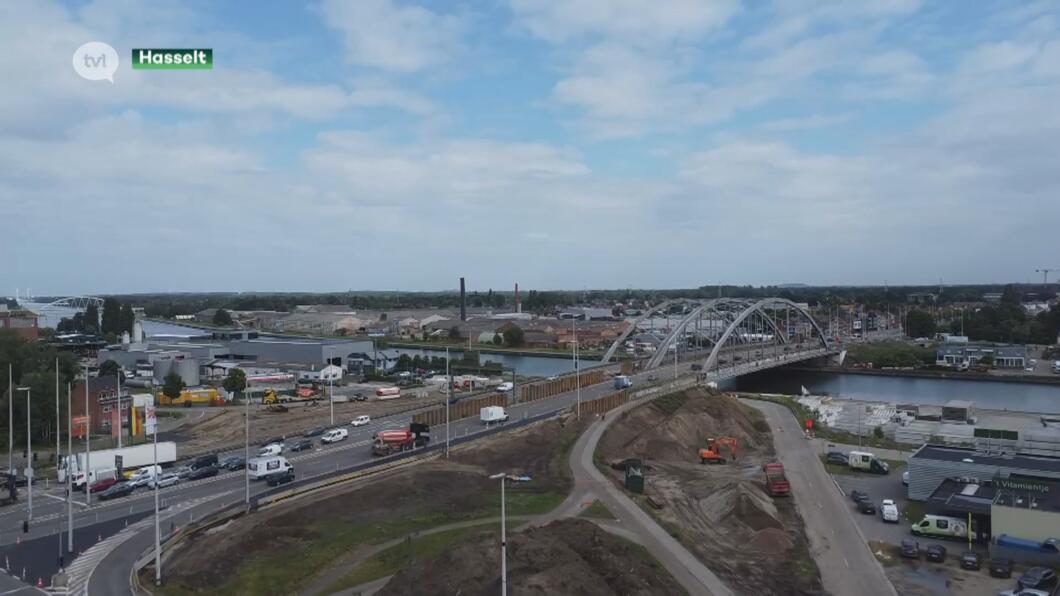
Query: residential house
x=22, y=322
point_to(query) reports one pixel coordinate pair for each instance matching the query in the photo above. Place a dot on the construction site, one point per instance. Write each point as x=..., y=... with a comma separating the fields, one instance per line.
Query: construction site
x=702, y=454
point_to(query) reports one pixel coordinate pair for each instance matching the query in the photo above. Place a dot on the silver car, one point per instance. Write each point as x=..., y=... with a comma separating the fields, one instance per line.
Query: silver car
x=166, y=480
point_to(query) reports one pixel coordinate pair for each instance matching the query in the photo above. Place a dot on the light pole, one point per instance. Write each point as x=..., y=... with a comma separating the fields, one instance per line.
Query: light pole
x=69, y=461
x=151, y=422
x=246, y=442
x=29, y=459
x=331, y=398
x=577, y=370
x=448, y=394
x=119, y=406
x=88, y=442
x=504, y=542
x=10, y=419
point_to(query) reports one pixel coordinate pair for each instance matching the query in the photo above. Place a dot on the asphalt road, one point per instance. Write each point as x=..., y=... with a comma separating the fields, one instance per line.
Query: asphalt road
x=843, y=557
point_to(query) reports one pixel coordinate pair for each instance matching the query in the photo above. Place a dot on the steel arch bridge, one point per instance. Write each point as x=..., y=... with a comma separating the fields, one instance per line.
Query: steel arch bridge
x=728, y=337
x=75, y=302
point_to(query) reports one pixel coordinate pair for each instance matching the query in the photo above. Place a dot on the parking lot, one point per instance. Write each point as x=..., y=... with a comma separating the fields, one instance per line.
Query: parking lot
x=916, y=578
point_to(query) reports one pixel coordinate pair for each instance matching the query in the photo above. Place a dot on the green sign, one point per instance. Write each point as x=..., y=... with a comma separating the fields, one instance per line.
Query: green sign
x=1025, y=485
x=995, y=433
x=170, y=59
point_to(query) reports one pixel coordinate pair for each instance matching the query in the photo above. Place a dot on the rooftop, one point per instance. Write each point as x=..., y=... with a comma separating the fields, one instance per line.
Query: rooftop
x=967, y=497
x=960, y=454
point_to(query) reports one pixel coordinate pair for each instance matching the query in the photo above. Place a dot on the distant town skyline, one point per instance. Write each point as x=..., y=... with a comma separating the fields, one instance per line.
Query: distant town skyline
x=399, y=144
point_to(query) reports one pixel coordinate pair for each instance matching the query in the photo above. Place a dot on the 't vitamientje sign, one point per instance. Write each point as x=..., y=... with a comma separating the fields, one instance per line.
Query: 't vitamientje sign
x=1022, y=485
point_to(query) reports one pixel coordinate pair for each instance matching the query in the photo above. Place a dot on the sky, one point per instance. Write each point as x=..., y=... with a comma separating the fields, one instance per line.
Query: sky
x=390, y=144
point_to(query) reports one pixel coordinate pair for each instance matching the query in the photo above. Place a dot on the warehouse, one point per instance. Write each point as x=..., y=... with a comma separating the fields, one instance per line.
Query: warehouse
x=931, y=465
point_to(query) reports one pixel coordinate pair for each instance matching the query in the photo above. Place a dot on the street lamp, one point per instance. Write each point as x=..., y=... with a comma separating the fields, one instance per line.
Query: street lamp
x=246, y=441
x=504, y=544
x=29, y=459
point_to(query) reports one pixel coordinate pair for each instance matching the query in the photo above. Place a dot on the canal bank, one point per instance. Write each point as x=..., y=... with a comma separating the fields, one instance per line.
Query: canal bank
x=934, y=374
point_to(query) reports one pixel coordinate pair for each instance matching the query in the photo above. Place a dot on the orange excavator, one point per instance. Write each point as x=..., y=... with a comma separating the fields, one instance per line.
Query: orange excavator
x=712, y=452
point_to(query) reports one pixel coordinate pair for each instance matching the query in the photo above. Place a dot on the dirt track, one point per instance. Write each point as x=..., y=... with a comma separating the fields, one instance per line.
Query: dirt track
x=755, y=543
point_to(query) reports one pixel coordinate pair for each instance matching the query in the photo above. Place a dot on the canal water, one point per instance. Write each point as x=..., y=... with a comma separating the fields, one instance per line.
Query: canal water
x=997, y=395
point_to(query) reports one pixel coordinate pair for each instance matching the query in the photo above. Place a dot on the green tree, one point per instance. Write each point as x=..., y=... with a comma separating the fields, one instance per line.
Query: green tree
x=172, y=385
x=497, y=339
x=919, y=323
x=514, y=336
x=404, y=362
x=90, y=319
x=111, y=316
x=221, y=318
x=235, y=381
x=110, y=368
x=128, y=317
x=454, y=332
x=878, y=432
x=987, y=359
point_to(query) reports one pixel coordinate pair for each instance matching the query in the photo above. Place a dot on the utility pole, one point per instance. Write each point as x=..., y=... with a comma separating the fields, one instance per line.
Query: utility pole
x=246, y=443
x=119, y=406
x=448, y=397
x=10, y=420
x=69, y=478
x=577, y=371
x=88, y=443
x=29, y=458
x=331, y=395
x=504, y=541
x=151, y=420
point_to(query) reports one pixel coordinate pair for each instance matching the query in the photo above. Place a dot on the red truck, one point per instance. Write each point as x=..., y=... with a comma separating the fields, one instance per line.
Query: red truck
x=776, y=482
x=392, y=441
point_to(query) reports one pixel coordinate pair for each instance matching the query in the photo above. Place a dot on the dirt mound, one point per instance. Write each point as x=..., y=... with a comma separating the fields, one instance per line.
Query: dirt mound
x=741, y=502
x=568, y=556
x=673, y=427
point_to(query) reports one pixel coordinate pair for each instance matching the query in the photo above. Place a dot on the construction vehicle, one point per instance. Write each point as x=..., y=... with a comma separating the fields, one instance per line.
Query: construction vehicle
x=272, y=397
x=275, y=408
x=204, y=396
x=712, y=452
x=388, y=442
x=776, y=481
x=308, y=390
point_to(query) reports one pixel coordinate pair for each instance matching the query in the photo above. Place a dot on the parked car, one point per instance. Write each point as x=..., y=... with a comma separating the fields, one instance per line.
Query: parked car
x=302, y=445
x=233, y=462
x=183, y=472
x=970, y=560
x=1001, y=567
x=936, y=553
x=120, y=489
x=200, y=473
x=866, y=506
x=316, y=431
x=361, y=420
x=905, y=478
x=279, y=478
x=1023, y=592
x=165, y=480
x=1038, y=578
x=102, y=485
x=889, y=511
x=910, y=548
x=858, y=495
x=837, y=457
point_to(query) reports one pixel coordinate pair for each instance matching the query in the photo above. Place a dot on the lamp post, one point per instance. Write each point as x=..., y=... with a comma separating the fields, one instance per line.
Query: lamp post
x=246, y=443
x=69, y=478
x=448, y=395
x=88, y=443
x=504, y=543
x=331, y=397
x=29, y=459
x=10, y=420
x=119, y=406
x=577, y=370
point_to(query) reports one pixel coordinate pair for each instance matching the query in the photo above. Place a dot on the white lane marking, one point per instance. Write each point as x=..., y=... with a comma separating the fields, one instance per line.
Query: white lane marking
x=62, y=500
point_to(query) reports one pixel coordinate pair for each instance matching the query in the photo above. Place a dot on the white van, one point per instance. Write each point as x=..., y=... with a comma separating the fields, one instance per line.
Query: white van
x=260, y=467
x=505, y=387
x=335, y=435
x=491, y=414
x=867, y=462
x=271, y=450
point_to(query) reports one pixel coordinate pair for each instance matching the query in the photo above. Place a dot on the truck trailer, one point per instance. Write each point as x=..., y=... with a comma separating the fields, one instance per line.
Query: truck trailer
x=776, y=481
x=388, y=442
x=491, y=414
x=131, y=458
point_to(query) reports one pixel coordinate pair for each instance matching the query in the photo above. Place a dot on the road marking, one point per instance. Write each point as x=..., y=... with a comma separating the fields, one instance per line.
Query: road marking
x=845, y=562
x=62, y=500
x=819, y=506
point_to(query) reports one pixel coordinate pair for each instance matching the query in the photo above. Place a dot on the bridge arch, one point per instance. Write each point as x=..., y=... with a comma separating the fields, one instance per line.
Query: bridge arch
x=759, y=307
x=76, y=302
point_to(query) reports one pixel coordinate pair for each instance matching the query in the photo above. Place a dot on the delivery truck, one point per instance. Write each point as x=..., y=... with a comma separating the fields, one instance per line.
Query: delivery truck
x=126, y=458
x=492, y=414
x=623, y=382
x=388, y=393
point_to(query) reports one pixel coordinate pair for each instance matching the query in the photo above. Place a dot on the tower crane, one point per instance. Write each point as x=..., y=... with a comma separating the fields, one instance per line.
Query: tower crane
x=1045, y=273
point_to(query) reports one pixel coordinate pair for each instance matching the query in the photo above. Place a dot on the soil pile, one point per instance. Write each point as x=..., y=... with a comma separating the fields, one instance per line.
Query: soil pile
x=741, y=502
x=568, y=556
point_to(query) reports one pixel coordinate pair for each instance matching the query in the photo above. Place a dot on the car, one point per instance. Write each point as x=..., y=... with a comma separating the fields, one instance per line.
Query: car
x=183, y=472
x=935, y=553
x=361, y=420
x=505, y=387
x=866, y=506
x=271, y=449
x=837, y=457
x=200, y=473
x=204, y=460
x=910, y=548
x=1038, y=578
x=279, y=478
x=302, y=445
x=1001, y=567
x=360, y=397
x=334, y=435
x=165, y=480
x=970, y=560
x=121, y=489
x=858, y=495
x=102, y=485
x=279, y=440
x=233, y=462
x=139, y=481
x=316, y=431
x=905, y=478
x=1023, y=592
x=889, y=511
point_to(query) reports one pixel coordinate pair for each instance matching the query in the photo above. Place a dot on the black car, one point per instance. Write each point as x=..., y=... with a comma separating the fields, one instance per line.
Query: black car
x=233, y=462
x=866, y=506
x=936, y=553
x=970, y=560
x=272, y=440
x=837, y=457
x=122, y=489
x=1038, y=578
x=1001, y=567
x=910, y=549
x=204, y=461
x=314, y=432
x=858, y=495
x=279, y=478
x=360, y=397
x=205, y=472
x=302, y=445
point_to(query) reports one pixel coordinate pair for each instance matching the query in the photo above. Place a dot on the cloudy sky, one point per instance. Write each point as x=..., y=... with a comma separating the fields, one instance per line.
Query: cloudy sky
x=391, y=144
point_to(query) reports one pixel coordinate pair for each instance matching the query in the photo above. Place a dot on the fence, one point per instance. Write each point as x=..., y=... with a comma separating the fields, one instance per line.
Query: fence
x=605, y=403
x=466, y=408
x=560, y=385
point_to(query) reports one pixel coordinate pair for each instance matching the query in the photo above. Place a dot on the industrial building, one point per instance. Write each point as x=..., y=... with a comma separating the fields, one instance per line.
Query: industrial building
x=962, y=354
x=931, y=465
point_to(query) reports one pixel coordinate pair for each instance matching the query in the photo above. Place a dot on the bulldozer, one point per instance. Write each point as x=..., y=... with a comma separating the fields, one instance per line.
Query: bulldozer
x=712, y=452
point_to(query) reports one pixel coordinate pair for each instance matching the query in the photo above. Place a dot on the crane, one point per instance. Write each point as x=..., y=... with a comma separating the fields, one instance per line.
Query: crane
x=1045, y=273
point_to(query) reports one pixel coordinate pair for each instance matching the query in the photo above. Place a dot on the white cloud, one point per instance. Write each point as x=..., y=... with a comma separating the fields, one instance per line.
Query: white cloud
x=808, y=122
x=393, y=36
x=633, y=21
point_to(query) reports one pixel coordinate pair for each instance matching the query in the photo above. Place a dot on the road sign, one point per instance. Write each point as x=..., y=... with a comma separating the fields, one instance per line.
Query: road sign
x=149, y=419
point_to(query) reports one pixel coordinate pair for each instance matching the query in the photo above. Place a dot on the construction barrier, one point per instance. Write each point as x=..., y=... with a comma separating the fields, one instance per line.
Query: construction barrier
x=605, y=403
x=465, y=408
x=627, y=367
x=560, y=385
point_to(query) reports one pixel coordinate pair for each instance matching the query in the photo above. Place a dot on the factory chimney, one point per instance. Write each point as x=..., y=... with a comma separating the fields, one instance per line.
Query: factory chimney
x=463, y=301
x=518, y=305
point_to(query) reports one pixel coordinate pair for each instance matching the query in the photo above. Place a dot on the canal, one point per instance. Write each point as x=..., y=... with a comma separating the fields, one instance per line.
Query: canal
x=998, y=395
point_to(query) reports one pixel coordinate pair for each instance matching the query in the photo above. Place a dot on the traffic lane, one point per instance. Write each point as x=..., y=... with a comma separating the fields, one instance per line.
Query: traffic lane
x=846, y=564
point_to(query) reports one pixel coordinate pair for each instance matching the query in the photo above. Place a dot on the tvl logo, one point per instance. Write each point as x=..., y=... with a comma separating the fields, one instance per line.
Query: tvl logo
x=96, y=61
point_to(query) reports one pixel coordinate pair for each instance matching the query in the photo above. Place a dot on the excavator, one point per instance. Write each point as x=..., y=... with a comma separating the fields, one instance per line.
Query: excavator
x=712, y=452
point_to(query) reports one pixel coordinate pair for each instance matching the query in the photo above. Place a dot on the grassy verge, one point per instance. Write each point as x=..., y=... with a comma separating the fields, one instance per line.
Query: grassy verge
x=895, y=464
x=597, y=511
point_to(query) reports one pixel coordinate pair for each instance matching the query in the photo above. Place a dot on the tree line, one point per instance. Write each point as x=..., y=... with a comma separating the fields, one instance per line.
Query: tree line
x=117, y=318
x=32, y=365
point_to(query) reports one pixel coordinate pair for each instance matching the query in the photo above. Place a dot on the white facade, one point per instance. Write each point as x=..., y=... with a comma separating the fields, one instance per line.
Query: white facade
x=328, y=373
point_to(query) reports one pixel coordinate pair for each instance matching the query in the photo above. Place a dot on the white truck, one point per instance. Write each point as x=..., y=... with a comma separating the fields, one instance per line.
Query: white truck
x=867, y=462
x=491, y=414
x=1056, y=367
x=132, y=458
